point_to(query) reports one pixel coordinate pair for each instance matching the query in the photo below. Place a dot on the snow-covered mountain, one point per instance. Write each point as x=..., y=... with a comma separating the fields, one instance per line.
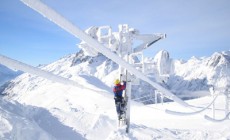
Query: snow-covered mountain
x=48, y=110
x=191, y=78
x=7, y=74
x=199, y=74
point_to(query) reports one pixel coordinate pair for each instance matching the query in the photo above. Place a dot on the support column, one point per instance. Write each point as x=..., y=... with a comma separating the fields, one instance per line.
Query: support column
x=162, y=99
x=156, y=92
x=211, y=89
x=227, y=100
x=128, y=94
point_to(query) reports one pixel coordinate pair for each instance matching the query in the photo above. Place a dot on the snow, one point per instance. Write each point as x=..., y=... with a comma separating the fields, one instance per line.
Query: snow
x=72, y=29
x=14, y=64
x=43, y=109
x=75, y=104
x=7, y=74
x=90, y=115
x=163, y=63
x=16, y=122
x=36, y=108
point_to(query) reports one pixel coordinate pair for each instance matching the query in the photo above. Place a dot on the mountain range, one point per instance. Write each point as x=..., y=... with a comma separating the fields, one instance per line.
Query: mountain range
x=187, y=79
x=36, y=108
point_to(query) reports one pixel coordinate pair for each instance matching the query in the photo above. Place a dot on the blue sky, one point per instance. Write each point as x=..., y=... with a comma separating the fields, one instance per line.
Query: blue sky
x=193, y=27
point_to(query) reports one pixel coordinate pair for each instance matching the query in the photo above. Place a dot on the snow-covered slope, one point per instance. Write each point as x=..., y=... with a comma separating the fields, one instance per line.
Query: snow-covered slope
x=56, y=111
x=48, y=110
x=192, y=78
x=7, y=74
x=61, y=111
x=198, y=74
x=19, y=121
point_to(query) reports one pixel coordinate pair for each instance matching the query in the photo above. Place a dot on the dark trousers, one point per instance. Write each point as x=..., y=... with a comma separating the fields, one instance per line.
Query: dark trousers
x=119, y=106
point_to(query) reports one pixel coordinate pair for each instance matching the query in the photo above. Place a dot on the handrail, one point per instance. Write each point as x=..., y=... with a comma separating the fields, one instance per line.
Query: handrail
x=217, y=120
x=190, y=113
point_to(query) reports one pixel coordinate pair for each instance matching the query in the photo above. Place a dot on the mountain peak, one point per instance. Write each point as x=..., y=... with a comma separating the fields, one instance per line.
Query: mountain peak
x=219, y=58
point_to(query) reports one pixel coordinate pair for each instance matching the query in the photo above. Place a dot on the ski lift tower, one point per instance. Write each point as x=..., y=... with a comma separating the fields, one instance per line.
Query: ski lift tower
x=122, y=43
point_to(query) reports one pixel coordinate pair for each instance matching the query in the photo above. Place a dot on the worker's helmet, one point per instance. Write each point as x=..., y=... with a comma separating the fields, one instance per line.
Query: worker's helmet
x=117, y=81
